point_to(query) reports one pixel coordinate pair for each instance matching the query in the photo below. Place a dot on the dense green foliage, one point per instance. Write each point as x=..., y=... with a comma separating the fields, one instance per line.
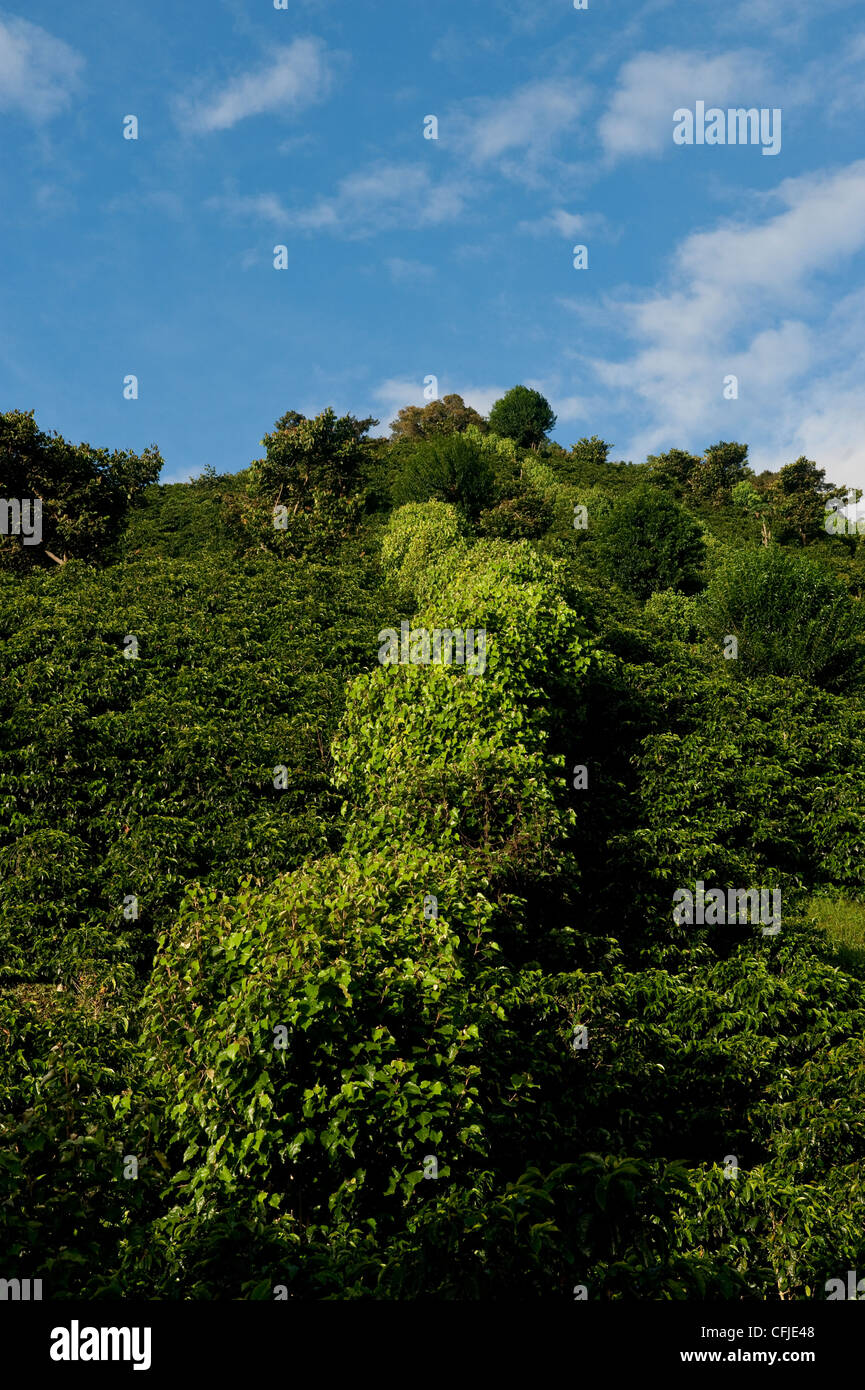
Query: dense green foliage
x=446, y=416
x=790, y=618
x=419, y=534
x=648, y=543
x=523, y=415
x=362, y=981
x=85, y=493
x=453, y=468
x=306, y=494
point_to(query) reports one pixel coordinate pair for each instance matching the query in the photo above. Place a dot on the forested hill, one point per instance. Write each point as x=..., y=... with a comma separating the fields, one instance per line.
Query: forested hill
x=332, y=967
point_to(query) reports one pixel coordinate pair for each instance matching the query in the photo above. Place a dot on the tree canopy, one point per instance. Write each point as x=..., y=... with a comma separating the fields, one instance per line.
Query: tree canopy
x=523, y=415
x=449, y=415
x=85, y=493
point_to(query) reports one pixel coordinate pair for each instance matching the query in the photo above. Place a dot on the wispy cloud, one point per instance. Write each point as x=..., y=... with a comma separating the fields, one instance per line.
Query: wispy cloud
x=404, y=272
x=651, y=86
x=569, y=409
x=566, y=224
x=843, y=75
x=394, y=393
x=160, y=200
x=525, y=15
x=377, y=198
x=787, y=18
x=451, y=47
x=258, y=207
x=744, y=299
x=520, y=131
x=55, y=200
x=298, y=75
x=39, y=74
x=480, y=398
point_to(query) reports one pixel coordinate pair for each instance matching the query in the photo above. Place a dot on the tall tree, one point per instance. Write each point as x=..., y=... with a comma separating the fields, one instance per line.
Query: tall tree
x=722, y=466
x=84, y=493
x=673, y=470
x=800, y=493
x=450, y=415
x=306, y=491
x=523, y=415
x=757, y=502
x=306, y=458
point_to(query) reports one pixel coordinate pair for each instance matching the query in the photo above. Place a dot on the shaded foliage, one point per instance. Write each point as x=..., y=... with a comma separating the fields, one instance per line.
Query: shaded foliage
x=85, y=493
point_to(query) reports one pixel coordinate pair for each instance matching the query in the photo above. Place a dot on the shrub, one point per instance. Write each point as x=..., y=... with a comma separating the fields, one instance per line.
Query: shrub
x=648, y=542
x=672, y=471
x=722, y=466
x=674, y=615
x=790, y=618
x=557, y=496
x=522, y=516
x=136, y=776
x=314, y=470
x=451, y=468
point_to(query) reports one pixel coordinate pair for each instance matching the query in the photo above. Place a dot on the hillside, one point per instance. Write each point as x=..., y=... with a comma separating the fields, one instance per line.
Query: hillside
x=367, y=980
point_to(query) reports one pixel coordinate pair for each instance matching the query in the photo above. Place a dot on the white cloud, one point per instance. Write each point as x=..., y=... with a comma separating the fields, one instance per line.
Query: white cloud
x=391, y=396
x=530, y=120
x=374, y=199
x=404, y=272
x=566, y=224
x=639, y=117
x=298, y=75
x=481, y=398
x=386, y=195
x=260, y=207
x=786, y=17
x=38, y=74
x=568, y=408
x=750, y=299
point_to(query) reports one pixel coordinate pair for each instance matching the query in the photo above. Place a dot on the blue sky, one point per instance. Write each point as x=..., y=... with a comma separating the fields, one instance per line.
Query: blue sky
x=410, y=257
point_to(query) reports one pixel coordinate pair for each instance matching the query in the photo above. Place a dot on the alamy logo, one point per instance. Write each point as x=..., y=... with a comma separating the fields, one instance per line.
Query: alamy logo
x=714, y=908
x=845, y=517
x=836, y=1291
x=736, y=126
x=76, y=1343
x=18, y=1290
x=441, y=647
x=19, y=518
